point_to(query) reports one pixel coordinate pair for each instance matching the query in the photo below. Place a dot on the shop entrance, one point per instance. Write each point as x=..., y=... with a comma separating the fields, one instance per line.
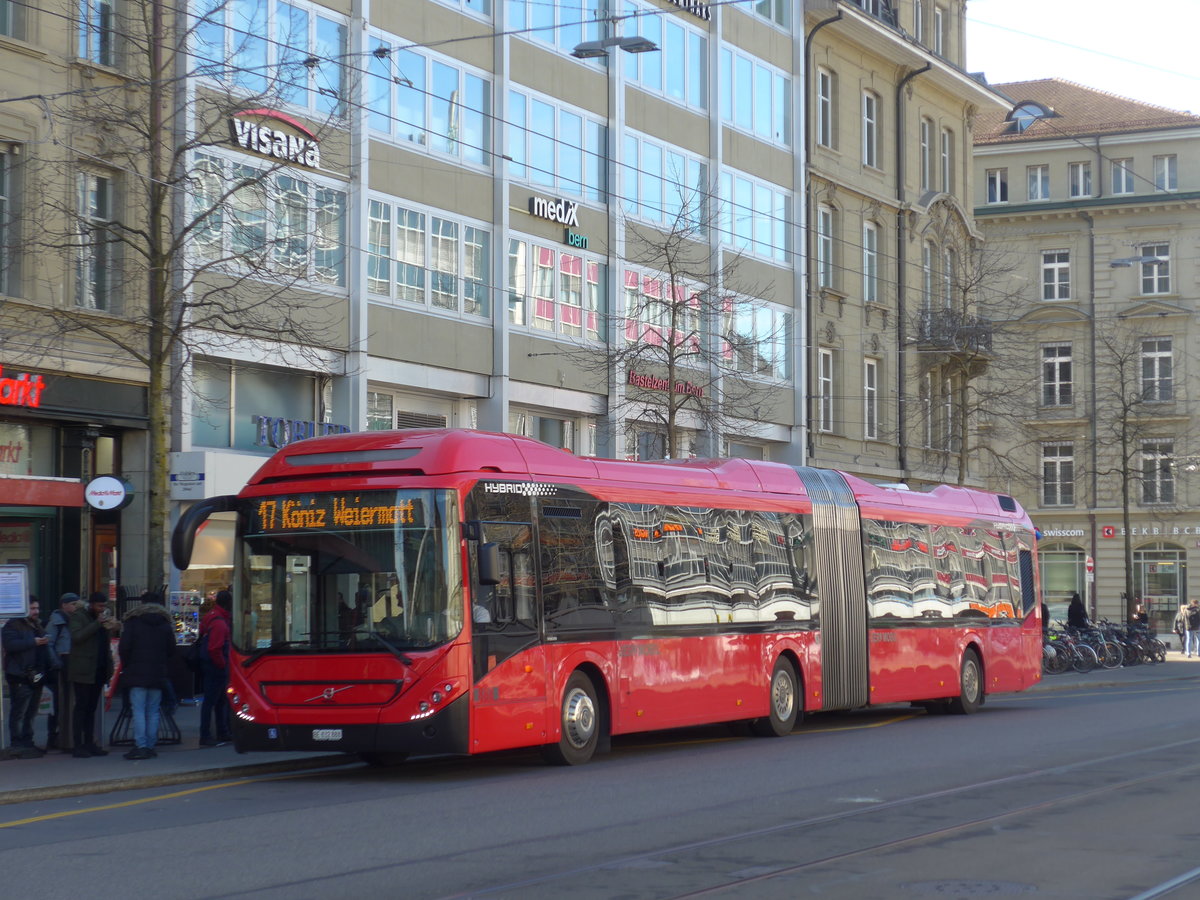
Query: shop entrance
x=1157, y=571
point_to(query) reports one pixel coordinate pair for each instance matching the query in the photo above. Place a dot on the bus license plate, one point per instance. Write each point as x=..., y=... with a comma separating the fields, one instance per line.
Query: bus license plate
x=327, y=734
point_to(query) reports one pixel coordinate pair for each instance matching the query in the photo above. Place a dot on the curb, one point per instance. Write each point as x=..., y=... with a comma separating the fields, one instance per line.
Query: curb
x=166, y=779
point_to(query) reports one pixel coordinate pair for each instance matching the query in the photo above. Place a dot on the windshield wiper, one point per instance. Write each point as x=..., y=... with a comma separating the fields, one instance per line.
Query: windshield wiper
x=263, y=651
x=392, y=648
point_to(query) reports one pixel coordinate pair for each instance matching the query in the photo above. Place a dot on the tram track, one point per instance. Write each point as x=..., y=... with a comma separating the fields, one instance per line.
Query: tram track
x=836, y=841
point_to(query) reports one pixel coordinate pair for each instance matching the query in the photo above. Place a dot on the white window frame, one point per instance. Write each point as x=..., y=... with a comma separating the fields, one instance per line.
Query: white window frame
x=826, y=219
x=1122, y=176
x=871, y=370
x=762, y=333
x=525, y=272
x=926, y=154
x=1038, y=178
x=919, y=20
x=826, y=108
x=1058, y=388
x=651, y=72
x=97, y=36
x=216, y=240
x=1079, y=179
x=96, y=254
x=871, y=277
x=682, y=178
x=826, y=375
x=8, y=279
x=1158, y=476
x=763, y=231
x=770, y=92
x=997, y=185
x=1056, y=275
x=401, y=73
x=1158, y=370
x=1156, y=276
x=939, y=31
x=948, y=160
x=472, y=295
x=326, y=84
x=928, y=266
x=870, y=129
x=1058, y=473
x=1166, y=173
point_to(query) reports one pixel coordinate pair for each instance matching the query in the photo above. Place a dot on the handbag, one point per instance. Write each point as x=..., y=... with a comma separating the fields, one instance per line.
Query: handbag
x=33, y=676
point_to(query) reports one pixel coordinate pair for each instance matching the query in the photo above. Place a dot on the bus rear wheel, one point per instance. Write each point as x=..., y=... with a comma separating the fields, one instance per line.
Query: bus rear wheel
x=970, y=685
x=579, y=721
x=784, y=700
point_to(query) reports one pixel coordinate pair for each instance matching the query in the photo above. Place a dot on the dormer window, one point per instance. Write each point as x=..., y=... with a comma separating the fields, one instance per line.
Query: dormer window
x=1025, y=114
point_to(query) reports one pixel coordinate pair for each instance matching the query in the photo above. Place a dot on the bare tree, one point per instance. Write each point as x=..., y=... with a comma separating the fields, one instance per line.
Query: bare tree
x=169, y=246
x=693, y=346
x=1139, y=431
x=964, y=332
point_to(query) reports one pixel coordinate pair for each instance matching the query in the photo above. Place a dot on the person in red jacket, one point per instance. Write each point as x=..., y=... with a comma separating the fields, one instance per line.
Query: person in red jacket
x=214, y=671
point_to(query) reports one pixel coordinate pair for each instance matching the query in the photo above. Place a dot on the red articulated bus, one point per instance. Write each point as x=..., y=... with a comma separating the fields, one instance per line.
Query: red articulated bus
x=456, y=592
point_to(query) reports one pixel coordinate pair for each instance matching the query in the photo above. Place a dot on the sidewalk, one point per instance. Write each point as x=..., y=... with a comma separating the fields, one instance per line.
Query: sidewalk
x=58, y=775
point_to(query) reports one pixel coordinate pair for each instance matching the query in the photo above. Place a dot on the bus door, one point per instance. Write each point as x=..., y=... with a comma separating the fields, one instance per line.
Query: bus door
x=509, y=672
x=838, y=562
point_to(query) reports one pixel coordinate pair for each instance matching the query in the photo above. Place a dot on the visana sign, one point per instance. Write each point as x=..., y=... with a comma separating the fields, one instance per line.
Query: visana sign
x=563, y=211
x=302, y=149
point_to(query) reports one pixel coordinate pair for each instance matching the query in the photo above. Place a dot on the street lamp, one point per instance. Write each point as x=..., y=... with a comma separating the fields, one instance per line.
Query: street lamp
x=1127, y=261
x=632, y=44
x=616, y=112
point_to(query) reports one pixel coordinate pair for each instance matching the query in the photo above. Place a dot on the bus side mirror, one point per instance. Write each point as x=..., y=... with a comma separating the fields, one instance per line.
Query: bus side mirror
x=489, y=563
x=184, y=535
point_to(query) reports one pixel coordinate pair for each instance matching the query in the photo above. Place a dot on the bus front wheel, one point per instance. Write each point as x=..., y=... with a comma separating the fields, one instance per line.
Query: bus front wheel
x=784, y=700
x=970, y=685
x=579, y=720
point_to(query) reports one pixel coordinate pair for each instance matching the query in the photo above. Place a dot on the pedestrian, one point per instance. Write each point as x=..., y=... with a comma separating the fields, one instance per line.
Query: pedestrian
x=214, y=671
x=26, y=661
x=90, y=668
x=146, y=646
x=58, y=629
x=1179, y=626
x=1076, y=614
x=1193, y=628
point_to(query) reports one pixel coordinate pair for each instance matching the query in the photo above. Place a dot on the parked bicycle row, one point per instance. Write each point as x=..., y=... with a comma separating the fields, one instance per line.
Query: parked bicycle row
x=1100, y=645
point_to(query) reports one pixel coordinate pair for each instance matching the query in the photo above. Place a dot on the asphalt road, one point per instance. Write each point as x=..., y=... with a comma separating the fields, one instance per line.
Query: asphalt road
x=1086, y=794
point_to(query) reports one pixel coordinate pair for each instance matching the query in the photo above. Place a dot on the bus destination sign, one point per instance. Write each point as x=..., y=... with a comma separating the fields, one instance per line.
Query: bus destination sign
x=325, y=512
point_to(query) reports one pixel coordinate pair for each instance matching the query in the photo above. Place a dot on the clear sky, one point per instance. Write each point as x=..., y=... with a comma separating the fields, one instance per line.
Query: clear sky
x=1148, y=50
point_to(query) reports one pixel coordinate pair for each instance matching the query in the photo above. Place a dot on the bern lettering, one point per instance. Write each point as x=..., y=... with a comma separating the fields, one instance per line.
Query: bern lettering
x=563, y=211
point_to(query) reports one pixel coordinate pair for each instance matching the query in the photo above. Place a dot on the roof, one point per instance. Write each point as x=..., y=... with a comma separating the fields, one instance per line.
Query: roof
x=1074, y=111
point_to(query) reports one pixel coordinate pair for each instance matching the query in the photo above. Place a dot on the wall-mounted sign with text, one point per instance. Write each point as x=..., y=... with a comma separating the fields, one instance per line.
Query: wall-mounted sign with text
x=258, y=131
x=654, y=383
x=278, y=431
x=108, y=492
x=21, y=390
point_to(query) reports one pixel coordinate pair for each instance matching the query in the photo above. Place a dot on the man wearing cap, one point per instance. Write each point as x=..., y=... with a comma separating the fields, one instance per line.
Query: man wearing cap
x=25, y=665
x=58, y=628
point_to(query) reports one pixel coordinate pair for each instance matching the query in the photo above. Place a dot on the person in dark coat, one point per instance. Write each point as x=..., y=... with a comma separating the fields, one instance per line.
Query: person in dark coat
x=26, y=661
x=147, y=644
x=89, y=669
x=1076, y=614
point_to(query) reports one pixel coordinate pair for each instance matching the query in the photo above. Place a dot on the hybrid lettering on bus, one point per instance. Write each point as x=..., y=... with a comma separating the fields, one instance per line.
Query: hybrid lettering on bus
x=457, y=592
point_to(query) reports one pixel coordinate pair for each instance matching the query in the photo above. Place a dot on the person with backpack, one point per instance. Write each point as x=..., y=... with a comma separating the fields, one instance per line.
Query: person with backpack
x=214, y=641
x=1193, y=628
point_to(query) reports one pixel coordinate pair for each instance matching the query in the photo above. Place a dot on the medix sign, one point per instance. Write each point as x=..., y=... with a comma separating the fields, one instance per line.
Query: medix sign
x=298, y=148
x=564, y=211
x=24, y=390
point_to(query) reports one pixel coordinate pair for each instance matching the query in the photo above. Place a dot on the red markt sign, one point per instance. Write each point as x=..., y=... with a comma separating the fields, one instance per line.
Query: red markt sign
x=24, y=390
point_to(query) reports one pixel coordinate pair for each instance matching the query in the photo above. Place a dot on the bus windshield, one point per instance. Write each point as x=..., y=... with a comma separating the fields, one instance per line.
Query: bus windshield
x=371, y=571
